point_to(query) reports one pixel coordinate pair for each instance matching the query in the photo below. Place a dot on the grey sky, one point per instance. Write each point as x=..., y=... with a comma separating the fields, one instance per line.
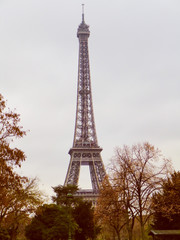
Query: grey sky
x=134, y=59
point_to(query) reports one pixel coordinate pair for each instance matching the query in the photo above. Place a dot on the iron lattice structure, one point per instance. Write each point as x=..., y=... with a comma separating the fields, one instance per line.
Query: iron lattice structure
x=85, y=150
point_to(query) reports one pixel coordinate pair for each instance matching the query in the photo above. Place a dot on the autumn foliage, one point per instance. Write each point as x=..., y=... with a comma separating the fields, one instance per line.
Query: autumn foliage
x=166, y=204
x=135, y=173
x=18, y=194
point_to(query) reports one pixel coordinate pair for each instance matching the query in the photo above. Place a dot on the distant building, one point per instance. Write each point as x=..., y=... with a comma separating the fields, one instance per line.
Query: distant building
x=165, y=234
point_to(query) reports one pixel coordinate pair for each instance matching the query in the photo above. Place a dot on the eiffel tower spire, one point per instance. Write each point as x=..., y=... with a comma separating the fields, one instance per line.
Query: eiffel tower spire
x=85, y=132
x=82, y=12
x=85, y=150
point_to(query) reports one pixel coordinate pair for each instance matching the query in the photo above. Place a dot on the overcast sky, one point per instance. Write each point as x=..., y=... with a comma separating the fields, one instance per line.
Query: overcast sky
x=134, y=50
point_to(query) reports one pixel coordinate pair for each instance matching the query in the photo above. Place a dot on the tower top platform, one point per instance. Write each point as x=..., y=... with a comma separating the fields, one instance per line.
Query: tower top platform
x=83, y=28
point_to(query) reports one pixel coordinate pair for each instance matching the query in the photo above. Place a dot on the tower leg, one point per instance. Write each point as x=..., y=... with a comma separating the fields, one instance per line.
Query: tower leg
x=93, y=175
x=72, y=176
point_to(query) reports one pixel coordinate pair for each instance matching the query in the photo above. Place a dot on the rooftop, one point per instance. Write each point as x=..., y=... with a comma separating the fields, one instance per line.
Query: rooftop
x=164, y=232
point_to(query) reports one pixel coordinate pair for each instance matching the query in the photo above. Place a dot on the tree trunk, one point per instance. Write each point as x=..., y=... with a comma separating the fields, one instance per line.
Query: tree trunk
x=118, y=234
x=129, y=230
x=13, y=235
x=142, y=227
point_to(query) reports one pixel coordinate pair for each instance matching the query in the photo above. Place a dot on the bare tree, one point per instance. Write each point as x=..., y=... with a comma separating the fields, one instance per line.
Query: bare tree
x=138, y=171
x=110, y=210
x=121, y=182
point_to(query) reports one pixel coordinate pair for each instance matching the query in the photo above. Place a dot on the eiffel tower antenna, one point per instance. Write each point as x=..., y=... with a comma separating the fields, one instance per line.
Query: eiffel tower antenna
x=85, y=149
x=82, y=12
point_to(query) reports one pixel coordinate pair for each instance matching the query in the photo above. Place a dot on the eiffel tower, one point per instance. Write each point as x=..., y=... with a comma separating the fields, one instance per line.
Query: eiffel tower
x=85, y=150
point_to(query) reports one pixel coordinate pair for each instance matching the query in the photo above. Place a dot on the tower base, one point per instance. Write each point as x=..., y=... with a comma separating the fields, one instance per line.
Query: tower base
x=87, y=195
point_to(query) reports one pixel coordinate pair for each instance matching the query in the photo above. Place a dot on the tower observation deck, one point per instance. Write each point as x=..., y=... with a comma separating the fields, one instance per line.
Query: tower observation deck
x=85, y=149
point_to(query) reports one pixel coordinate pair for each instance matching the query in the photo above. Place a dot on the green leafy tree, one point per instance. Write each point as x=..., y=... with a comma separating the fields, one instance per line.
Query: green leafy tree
x=69, y=217
x=62, y=193
x=166, y=204
x=51, y=222
x=84, y=216
x=81, y=211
